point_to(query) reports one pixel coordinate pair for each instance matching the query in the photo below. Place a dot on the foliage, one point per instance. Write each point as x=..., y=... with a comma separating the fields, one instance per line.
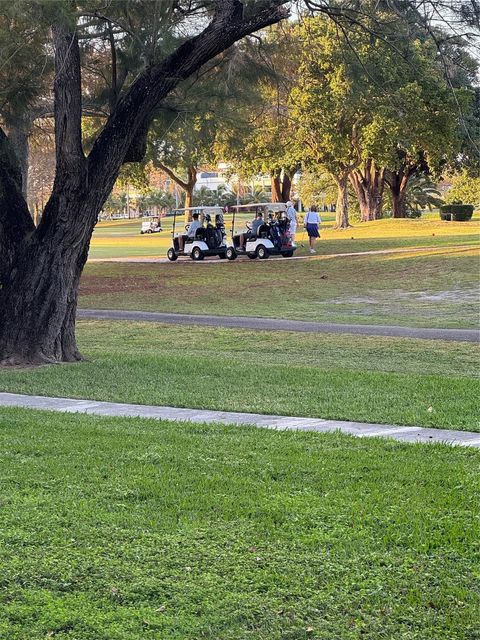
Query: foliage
x=380, y=106
x=465, y=189
x=184, y=134
x=316, y=188
x=456, y=212
x=421, y=194
x=261, y=141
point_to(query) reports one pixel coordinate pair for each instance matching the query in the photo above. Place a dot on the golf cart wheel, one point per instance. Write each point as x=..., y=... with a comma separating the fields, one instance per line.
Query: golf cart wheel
x=197, y=254
x=252, y=256
x=231, y=253
x=171, y=255
x=262, y=252
x=287, y=254
x=142, y=232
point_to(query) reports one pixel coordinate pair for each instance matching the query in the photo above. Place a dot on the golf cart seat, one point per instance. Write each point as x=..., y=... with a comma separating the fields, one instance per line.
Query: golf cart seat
x=213, y=237
x=200, y=233
x=262, y=231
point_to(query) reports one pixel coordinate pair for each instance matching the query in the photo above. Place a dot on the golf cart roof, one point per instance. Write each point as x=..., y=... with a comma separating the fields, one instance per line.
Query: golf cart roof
x=271, y=206
x=215, y=209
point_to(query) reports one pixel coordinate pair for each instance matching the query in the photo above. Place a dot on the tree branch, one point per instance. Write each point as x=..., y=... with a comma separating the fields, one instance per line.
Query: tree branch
x=15, y=219
x=181, y=183
x=136, y=109
x=68, y=101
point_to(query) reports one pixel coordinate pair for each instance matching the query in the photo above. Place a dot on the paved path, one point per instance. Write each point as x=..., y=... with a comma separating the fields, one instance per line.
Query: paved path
x=273, y=324
x=362, y=430
x=319, y=256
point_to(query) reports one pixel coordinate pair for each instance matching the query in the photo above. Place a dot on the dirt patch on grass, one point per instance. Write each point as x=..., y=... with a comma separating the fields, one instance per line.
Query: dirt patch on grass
x=96, y=285
x=135, y=285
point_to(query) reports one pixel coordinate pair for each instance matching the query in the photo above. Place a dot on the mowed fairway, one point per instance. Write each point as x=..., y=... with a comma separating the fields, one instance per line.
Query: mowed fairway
x=434, y=288
x=122, y=238
x=387, y=380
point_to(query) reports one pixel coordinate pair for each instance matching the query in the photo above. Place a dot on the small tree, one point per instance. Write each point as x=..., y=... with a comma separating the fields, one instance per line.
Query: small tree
x=465, y=189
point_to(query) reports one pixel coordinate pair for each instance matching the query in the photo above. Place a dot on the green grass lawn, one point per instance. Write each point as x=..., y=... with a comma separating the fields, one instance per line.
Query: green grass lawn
x=122, y=238
x=385, y=380
x=122, y=529
x=438, y=288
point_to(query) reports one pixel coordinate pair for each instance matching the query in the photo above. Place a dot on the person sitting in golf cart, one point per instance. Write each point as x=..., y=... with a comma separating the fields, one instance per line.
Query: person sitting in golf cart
x=252, y=230
x=191, y=231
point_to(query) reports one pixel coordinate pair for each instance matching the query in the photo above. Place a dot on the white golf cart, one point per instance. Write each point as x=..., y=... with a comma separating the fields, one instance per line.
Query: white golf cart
x=151, y=225
x=209, y=240
x=271, y=238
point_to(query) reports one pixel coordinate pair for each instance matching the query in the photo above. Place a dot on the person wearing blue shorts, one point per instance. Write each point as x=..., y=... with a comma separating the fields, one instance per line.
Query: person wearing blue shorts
x=311, y=223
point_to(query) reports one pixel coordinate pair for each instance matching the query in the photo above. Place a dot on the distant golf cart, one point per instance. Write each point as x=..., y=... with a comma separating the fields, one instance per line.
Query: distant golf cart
x=209, y=240
x=151, y=225
x=271, y=238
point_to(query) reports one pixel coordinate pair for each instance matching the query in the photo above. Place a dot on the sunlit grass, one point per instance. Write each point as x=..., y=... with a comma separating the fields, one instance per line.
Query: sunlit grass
x=123, y=238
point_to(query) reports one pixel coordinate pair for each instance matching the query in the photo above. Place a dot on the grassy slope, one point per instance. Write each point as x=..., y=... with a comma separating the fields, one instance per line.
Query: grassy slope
x=382, y=380
x=128, y=529
x=434, y=289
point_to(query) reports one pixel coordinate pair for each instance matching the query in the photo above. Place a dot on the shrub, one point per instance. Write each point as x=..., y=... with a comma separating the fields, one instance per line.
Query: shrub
x=456, y=212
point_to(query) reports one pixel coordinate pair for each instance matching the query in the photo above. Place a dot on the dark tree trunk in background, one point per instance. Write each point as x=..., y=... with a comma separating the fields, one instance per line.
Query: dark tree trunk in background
x=341, y=220
x=40, y=268
x=189, y=189
x=398, y=183
x=276, y=186
x=369, y=183
x=287, y=186
x=281, y=184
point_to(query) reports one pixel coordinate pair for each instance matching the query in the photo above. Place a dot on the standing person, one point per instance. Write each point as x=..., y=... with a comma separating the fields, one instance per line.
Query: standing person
x=292, y=218
x=311, y=223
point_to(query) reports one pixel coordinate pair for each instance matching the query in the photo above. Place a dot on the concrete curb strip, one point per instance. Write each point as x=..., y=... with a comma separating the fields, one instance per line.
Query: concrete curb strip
x=359, y=429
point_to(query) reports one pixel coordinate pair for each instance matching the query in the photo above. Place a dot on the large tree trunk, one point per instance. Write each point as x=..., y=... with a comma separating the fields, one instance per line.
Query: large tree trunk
x=40, y=301
x=369, y=183
x=40, y=268
x=342, y=221
x=398, y=183
x=275, y=177
x=286, y=186
x=399, y=204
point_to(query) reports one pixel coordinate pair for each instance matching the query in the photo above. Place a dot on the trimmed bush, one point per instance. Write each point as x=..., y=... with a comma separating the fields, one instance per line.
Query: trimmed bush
x=456, y=212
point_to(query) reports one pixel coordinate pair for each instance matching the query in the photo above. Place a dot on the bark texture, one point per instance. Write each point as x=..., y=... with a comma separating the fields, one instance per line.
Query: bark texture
x=40, y=268
x=342, y=220
x=275, y=177
x=368, y=182
x=398, y=183
x=281, y=181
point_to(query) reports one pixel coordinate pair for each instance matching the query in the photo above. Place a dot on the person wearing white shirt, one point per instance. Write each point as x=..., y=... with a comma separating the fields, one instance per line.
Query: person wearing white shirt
x=192, y=229
x=311, y=223
x=292, y=218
